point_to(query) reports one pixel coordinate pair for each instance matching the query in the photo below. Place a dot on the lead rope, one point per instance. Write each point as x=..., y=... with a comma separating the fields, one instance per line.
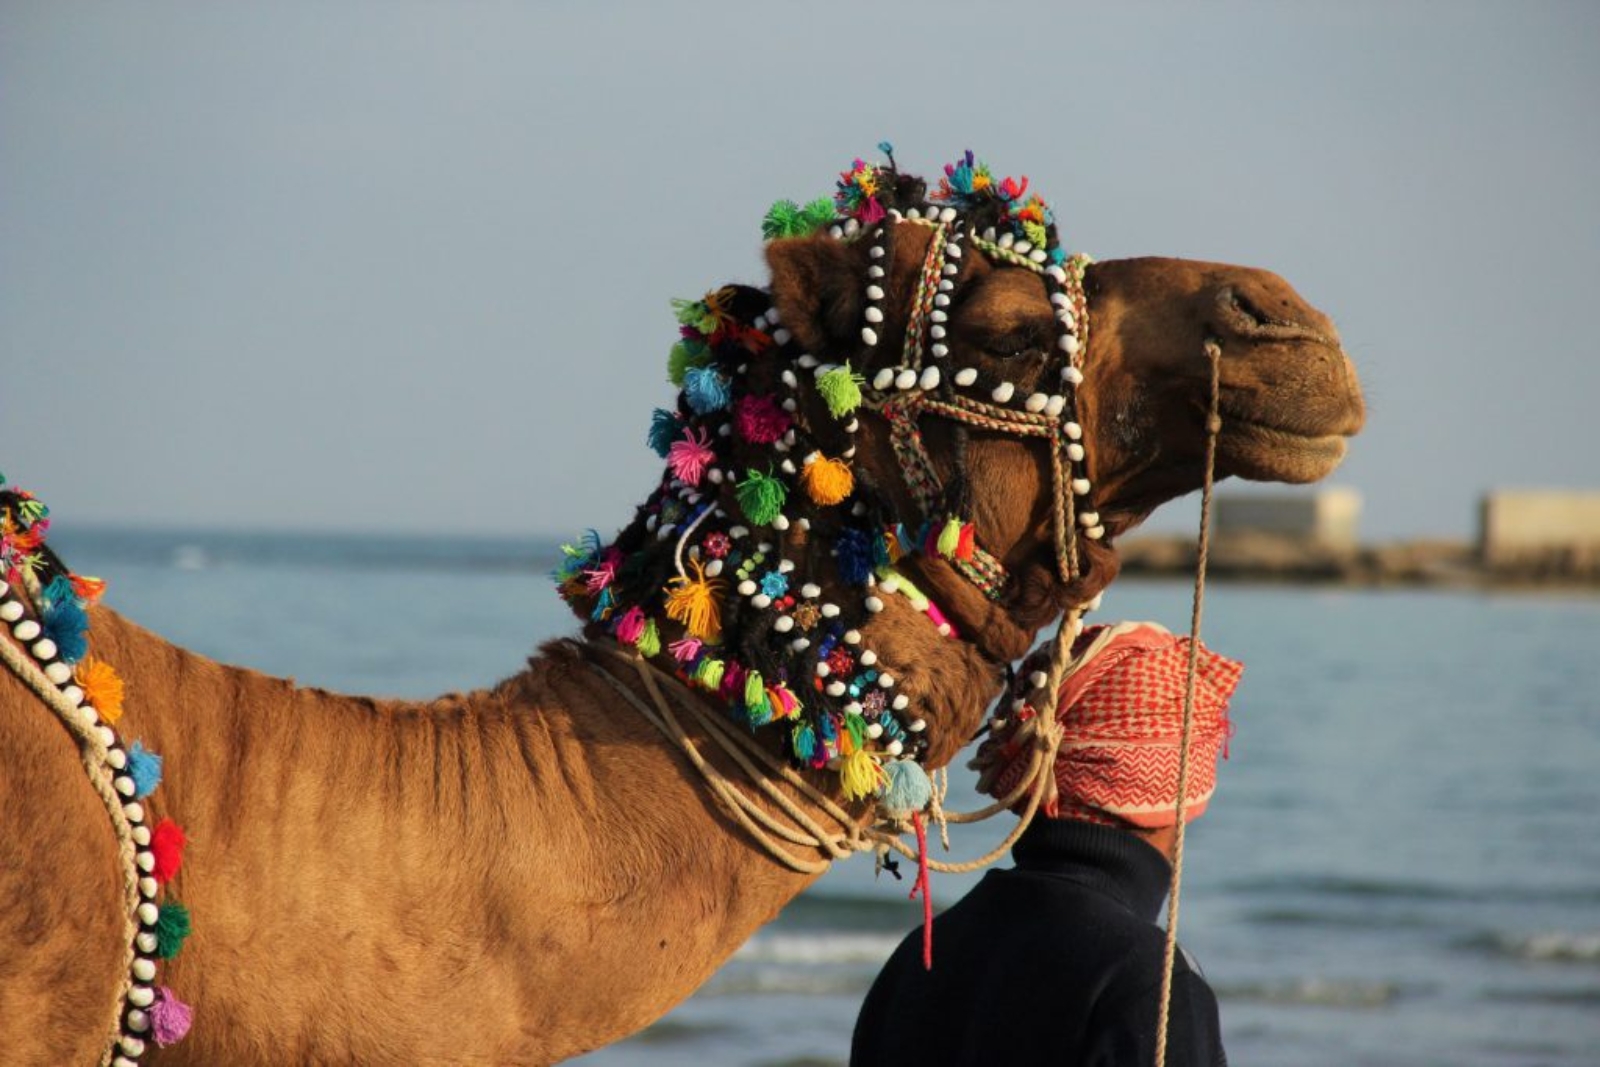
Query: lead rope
x=1213, y=428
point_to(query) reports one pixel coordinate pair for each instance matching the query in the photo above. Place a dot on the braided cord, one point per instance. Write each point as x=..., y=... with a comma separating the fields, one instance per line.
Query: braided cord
x=1213, y=429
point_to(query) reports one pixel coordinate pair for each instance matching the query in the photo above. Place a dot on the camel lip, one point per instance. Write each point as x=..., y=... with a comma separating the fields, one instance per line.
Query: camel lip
x=1284, y=434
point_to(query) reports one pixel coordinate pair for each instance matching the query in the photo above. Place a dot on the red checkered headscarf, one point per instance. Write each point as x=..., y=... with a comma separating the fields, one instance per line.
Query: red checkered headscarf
x=1121, y=713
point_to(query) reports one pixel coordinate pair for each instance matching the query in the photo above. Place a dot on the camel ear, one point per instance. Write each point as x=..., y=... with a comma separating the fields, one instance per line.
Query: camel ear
x=818, y=290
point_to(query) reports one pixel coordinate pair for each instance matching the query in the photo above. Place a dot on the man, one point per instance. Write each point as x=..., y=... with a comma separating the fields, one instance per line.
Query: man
x=1060, y=959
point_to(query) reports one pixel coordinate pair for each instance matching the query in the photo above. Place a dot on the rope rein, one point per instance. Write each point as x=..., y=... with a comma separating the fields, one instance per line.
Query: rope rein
x=1169, y=960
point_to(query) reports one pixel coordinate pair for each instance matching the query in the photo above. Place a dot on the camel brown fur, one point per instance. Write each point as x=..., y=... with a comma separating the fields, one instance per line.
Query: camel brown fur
x=527, y=872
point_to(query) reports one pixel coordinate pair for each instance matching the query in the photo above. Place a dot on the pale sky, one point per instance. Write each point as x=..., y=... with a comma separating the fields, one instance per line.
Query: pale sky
x=406, y=266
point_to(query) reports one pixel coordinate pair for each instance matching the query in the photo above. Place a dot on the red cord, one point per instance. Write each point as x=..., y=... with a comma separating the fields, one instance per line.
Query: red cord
x=922, y=886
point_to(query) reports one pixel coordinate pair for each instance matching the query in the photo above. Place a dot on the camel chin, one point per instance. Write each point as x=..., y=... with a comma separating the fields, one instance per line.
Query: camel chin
x=1260, y=453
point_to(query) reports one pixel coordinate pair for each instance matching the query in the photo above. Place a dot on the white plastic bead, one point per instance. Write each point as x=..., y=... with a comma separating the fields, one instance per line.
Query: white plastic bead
x=1022, y=248
x=823, y=670
x=713, y=568
x=869, y=335
x=874, y=271
x=117, y=758
x=737, y=532
x=787, y=466
x=913, y=213
x=1080, y=486
x=1007, y=240
x=143, y=969
x=874, y=730
x=783, y=624
x=936, y=332
x=966, y=376
x=124, y=785
x=853, y=425
x=141, y=996
x=1088, y=518
x=890, y=585
x=1094, y=533
x=782, y=336
x=146, y=862
x=886, y=681
x=953, y=250
x=900, y=703
x=141, y=836
x=868, y=657
x=133, y=1046
x=916, y=726
x=883, y=379
x=26, y=630
x=11, y=610
x=1061, y=300
x=45, y=649
x=1003, y=392
x=894, y=748
x=835, y=689
x=785, y=566
x=942, y=300
x=747, y=588
x=930, y=378
x=830, y=611
x=852, y=637
x=876, y=252
x=1056, y=272
x=800, y=644
x=874, y=292
x=1075, y=453
x=836, y=232
x=939, y=350
x=851, y=227
x=810, y=590
x=149, y=913
x=905, y=379
x=1069, y=344
x=874, y=314
x=1072, y=375
x=760, y=600
x=952, y=269
x=88, y=716
x=1038, y=678
x=1036, y=402
x=1038, y=255
x=947, y=214
x=1074, y=431
x=58, y=672
x=138, y=1020
x=146, y=941
x=874, y=605
x=73, y=694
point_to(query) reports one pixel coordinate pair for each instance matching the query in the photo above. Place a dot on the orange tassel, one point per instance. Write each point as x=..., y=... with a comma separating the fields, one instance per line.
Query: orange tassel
x=102, y=688
x=697, y=603
x=828, y=481
x=88, y=589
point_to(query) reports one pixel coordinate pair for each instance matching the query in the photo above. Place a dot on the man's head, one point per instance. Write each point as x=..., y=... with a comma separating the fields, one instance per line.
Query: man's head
x=1121, y=715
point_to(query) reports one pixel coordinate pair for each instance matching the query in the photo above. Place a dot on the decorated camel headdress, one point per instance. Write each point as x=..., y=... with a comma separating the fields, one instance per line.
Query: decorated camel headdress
x=760, y=452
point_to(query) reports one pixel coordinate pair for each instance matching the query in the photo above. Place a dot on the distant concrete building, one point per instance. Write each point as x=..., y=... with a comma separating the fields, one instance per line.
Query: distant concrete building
x=1521, y=526
x=1329, y=517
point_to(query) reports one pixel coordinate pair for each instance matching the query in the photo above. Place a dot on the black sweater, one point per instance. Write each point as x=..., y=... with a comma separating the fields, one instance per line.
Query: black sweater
x=1057, y=961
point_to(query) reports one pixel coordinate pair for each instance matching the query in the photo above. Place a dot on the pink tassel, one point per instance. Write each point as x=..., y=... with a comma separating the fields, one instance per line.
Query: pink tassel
x=170, y=1018
x=598, y=577
x=760, y=420
x=685, y=649
x=630, y=626
x=688, y=458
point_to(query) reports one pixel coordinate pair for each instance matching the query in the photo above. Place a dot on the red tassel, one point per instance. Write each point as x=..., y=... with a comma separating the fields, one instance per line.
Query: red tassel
x=166, y=845
x=967, y=543
x=922, y=887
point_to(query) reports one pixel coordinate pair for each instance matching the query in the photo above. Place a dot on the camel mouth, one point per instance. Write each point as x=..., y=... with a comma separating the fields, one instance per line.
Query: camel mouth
x=1263, y=452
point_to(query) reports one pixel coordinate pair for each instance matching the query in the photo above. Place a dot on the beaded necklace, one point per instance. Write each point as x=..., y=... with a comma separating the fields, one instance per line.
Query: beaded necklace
x=44, y=608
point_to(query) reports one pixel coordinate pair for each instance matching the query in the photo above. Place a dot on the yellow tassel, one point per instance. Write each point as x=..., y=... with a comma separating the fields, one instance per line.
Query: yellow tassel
x=828, y=481
x=859, y=775
x=697, y=603
x=102, y=688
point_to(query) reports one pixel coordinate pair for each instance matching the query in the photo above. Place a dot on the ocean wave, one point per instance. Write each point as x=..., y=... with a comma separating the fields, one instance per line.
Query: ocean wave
x=818, y=950
x=1315, y=992
x=1358, y=888
x=789, y=981
x=1548, y=946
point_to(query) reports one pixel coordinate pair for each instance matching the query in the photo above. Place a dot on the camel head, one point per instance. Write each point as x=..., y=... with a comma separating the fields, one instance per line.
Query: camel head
x=887, y=470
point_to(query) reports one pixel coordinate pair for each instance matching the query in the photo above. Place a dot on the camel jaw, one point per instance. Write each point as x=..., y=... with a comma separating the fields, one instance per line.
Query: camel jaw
x=1258, y=452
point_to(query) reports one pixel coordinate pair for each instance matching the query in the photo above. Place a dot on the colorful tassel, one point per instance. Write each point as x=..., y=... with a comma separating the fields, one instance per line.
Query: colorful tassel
x=166, y=845
x=88, y=589
x=859, y=775
x=170, y=1018
x=967, y=546
x=144, y=767
x=949, y=537
x=664, y=426
x=699, y=315
x=685, y=649
x=840, y=389
x=708, y=674
x=785, y=705
x=853, y=552
x=686, y=355
x=649, y=642
x=788, y=219
x=803, y=739
x=761, y=496
x=707, y=389
x=760, y=420
x=828, y=481
x=102, y=688
x=64, y=621
x=631, y=625
x=172, y=929
x=906, y=788
x=691, y=456
x=755, y=699
x=696, y=602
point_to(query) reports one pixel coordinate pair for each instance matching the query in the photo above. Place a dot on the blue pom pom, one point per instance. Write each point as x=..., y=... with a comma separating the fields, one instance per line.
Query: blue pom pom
x=664, y=427
x=144, y=767
x=707, y=389
x=906, y=788
x=853, y=552
x=64, y=620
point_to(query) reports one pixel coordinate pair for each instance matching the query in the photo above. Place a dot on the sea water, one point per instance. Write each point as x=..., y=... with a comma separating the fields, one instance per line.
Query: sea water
x=1401, y=866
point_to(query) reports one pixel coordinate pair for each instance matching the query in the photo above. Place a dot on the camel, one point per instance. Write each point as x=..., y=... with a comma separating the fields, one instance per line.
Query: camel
x=529, y=871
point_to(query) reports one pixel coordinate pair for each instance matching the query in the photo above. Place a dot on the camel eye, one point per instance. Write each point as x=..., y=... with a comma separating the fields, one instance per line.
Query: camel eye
x=1015, y=346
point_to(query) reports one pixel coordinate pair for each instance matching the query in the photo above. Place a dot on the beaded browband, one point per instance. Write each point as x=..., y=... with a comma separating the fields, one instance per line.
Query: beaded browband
x=759, y=462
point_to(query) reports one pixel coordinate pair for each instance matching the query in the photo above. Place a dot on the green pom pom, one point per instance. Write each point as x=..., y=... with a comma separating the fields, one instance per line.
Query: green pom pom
x=709, y=672
x=172, y=927
x=696, y=313
x=818, y=213
x=649, y=642
x=685, y=355
x=761, y=496
x=841, y=390
x=788, y=219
